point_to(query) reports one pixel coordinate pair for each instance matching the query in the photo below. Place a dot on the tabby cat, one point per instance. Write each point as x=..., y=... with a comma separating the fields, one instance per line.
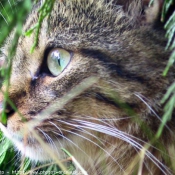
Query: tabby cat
x=92, y=86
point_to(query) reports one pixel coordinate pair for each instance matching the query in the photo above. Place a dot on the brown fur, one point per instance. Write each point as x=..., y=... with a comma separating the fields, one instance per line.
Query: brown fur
x=108, y=41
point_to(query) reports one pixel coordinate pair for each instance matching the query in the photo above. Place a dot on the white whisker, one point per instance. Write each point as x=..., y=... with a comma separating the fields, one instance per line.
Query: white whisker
x=56, y=127
x=70, y=142
x=131, y=136
x=118, y=134
x=62, y=135
x=84, y=131
x=94, y=144
x=105, y=119
x=49, y=139
x=139, y=96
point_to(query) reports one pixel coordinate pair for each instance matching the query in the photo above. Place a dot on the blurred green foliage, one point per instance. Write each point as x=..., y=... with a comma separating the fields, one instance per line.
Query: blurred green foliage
x=12, y=16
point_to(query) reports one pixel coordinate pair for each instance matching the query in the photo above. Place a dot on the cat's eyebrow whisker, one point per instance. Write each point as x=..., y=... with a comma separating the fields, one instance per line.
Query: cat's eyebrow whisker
x=141, y=98
x=123, y=136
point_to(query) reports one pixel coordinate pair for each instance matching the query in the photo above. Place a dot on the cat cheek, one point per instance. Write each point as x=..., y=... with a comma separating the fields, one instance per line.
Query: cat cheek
x=12, y=121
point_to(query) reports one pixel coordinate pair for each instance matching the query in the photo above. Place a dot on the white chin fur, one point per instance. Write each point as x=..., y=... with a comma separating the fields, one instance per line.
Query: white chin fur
x=35, y=152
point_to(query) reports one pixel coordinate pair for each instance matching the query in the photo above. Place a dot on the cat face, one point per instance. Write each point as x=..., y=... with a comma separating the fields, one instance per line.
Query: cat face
x=93, y=62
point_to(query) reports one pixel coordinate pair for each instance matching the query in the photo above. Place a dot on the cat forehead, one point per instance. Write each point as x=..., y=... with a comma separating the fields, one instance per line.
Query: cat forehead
x=82, y=23
x=78, y=24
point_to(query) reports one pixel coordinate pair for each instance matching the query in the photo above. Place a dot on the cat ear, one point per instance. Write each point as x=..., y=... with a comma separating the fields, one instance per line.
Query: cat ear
x=152, y=12
x=142, y=10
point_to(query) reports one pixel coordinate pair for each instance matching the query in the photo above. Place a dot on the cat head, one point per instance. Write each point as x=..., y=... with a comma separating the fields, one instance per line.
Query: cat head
x=95, y=69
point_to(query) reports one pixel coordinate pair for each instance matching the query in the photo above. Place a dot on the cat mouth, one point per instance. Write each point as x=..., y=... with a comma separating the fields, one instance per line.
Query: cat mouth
x=32, y=131
x=44, y=139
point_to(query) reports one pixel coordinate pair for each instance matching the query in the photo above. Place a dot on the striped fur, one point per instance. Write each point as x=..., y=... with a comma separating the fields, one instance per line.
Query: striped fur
x=107, y=125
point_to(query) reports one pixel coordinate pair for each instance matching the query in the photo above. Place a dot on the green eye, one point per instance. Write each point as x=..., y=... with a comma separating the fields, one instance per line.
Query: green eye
x=57, y=60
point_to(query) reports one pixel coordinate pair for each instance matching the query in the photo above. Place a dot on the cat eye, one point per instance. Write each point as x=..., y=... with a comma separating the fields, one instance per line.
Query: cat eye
x=57, y=60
